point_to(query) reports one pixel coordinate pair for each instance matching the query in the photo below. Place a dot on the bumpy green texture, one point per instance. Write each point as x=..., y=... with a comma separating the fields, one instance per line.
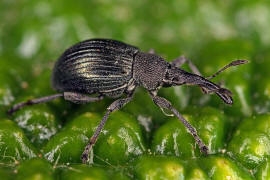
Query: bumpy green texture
x=80, y=171
x=219, y=167
x=116, y=145
x=173, y=138
x=165, y=167
x=159, y=168
x=263, y=171
x=35, y=169
x=250, y=143
x=138, y=142
x=14, y=145
x=77, y=172
x=38, y=122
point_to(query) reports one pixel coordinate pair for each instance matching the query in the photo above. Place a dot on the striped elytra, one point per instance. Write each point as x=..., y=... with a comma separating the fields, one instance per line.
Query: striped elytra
x=95, y=66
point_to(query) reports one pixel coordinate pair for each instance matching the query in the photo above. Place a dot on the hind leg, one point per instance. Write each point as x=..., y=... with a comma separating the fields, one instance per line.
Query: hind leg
x=69, y=96
x=18, y=106
x=79, y=98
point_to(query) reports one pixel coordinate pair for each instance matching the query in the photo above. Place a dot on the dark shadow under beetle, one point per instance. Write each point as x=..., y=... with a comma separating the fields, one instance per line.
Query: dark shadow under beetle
x=105, y=67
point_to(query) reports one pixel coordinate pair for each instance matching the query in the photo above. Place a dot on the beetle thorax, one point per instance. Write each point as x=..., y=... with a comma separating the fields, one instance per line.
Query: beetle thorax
x=149, y=70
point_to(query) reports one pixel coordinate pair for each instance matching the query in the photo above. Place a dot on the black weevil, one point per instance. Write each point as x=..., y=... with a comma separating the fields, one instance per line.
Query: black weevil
x=104, y=67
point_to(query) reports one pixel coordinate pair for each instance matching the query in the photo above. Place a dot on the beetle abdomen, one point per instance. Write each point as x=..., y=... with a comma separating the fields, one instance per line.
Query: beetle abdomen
x=94, y=66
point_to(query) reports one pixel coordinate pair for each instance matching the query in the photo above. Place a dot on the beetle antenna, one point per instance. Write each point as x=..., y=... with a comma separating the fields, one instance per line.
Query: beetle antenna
x=233, y=63
x=18, y=106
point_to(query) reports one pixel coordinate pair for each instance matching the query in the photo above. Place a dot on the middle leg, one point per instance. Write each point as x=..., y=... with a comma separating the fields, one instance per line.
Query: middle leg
x=116, y=105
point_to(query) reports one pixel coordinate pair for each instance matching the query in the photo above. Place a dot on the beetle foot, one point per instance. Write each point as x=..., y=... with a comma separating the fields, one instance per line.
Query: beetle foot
x=84, y=158
x=18, y=106
x=85, y=154
x=204, y=149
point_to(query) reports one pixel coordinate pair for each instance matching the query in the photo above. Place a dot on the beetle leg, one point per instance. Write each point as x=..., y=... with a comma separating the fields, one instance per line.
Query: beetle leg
x=79, y=98
x=181, y=60
x=18, y=106
x=164, y=103
x=116, y=105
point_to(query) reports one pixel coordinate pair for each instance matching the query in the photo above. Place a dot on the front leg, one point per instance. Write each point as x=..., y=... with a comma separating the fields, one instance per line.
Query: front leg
x=165, y=104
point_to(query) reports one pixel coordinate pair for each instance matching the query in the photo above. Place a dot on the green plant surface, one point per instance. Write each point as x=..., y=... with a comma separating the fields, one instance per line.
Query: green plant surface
x=263, y=171
x=139, y=141
x=250, y=143
x=173, y=138
x=14, y=144
x=35, y=168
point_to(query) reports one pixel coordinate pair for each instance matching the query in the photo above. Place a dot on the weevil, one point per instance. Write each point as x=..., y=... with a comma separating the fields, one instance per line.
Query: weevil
x=105, y=67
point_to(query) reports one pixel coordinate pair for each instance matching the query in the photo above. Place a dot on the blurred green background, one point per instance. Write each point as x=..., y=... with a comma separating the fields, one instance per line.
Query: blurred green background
x=33, y=34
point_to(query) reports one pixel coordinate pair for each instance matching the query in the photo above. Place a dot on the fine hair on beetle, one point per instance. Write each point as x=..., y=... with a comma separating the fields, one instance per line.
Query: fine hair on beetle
x=105, y=67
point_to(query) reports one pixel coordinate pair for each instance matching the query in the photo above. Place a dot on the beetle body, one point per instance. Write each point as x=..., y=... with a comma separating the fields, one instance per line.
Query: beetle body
x=112, y=68
x=96, y=66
